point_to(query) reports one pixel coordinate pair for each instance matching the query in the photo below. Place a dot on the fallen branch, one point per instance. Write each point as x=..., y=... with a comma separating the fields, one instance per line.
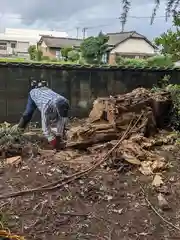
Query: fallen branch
x=62, y=182
x=157, y=213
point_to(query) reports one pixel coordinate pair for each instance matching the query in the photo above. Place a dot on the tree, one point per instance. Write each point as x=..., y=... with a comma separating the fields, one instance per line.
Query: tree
x=169, y=42
x=171, y=6
x=73, y=56
x=39, y=55
x=32, y=52
x=65, y=51
x=93, y=48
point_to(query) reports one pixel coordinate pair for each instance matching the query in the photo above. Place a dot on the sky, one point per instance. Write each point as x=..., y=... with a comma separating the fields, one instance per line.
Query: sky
x=95, y=15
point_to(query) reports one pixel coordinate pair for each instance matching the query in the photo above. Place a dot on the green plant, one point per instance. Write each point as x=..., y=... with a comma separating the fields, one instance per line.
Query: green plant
x=169, y=42
x=131, y=62
x=39, y=55
x=162, y=84
x=175, y=95
x=156, y=61
x=174, y=90
x=46, y=58
x=171, y=6
x=32, y=52
x=65, y=51
x=54, y=60
x=160, y=61
x=93, y=48
x=73, y=56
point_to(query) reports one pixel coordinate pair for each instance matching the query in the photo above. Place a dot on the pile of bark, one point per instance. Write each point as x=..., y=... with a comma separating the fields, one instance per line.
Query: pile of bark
x=110, y=117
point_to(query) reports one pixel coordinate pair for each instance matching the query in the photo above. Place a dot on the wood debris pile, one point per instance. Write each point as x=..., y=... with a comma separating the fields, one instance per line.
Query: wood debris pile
x=108, y=120
x=111, y=116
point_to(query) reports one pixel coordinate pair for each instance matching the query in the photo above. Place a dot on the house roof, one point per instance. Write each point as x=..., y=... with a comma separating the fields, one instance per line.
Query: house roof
x=60, y=42
x=117, y=38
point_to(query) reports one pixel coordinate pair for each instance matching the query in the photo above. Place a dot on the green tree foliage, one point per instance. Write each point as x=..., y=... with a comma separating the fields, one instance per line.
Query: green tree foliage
x=39, y=55
x=93, y=48
x=73, y=56
x=169, y=42
x=32, y=52
x=171, y=6
x=35, y=54
x=65, y=51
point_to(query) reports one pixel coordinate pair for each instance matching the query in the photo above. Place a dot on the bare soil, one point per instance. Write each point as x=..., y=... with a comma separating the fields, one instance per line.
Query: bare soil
x=105, y=204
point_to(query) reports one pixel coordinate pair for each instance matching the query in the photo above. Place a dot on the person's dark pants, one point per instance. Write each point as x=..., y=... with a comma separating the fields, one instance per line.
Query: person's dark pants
x=28, y=114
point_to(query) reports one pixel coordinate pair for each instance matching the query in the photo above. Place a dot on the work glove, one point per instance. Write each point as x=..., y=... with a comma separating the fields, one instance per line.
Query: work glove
x=57, y=143
x=53, y=143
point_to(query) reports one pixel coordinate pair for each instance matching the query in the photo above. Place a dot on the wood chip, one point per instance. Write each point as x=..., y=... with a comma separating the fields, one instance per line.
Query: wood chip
x=157, y=181
x=14, y=160
x=163, y=204
x=131, y=159
x=146, y=168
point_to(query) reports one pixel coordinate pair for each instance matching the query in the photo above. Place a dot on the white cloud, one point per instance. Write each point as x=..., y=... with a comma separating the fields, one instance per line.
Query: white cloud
x=66, y=15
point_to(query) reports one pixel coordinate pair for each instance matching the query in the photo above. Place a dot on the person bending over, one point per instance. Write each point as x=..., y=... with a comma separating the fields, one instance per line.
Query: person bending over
x=53, y=107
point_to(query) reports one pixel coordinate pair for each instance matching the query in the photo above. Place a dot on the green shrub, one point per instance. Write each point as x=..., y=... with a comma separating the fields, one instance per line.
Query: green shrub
x=73, y=56
x=156, y=61
x=131, y=62
x=160, y=61
x=46, y=58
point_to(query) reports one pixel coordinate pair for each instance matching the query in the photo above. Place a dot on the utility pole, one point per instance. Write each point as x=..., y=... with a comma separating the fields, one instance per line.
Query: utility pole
x=122, y=24
x=77, y=32
x=84, y=32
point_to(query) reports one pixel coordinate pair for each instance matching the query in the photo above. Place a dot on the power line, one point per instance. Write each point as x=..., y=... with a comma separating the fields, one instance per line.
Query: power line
x=133, y=16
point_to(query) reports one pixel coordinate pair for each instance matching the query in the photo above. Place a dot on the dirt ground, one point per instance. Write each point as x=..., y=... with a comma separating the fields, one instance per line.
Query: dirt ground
x=104, y=205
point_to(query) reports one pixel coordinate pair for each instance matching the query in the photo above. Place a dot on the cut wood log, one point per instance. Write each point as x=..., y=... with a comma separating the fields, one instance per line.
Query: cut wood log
x=118, y=112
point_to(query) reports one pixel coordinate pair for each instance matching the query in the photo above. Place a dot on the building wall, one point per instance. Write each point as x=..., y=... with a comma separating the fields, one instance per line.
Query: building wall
x=132, y=48
x=8, y=48
x=135, y=46
x=47, y=52
x=112, y=59
x=80, y=85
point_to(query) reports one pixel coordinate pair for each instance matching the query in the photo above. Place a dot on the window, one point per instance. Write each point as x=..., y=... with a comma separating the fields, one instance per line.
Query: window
x=104, y=58
x=13, y=45
x=3, y=46
x=58, y=55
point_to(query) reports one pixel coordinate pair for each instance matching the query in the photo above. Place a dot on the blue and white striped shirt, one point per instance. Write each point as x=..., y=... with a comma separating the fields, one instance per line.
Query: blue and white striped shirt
x=45, y=99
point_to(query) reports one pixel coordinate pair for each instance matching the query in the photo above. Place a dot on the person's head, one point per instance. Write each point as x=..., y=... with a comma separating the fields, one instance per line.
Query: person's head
x=34, y=84
x=42, y=84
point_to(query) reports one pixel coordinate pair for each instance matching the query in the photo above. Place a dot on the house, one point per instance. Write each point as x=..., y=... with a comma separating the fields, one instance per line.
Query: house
x=51, y=46
x=11, y=46
x=130, y=45
x=15, y=42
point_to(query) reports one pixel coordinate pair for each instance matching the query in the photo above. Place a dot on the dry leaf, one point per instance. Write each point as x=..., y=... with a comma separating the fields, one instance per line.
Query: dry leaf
x=14, y=160
x=146, y=168
x=158, y=164
x=131, y=159
x=163, y=202
x=157, y=182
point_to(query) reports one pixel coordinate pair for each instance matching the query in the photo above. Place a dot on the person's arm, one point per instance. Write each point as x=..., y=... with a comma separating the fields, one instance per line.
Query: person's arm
x=28, y=114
